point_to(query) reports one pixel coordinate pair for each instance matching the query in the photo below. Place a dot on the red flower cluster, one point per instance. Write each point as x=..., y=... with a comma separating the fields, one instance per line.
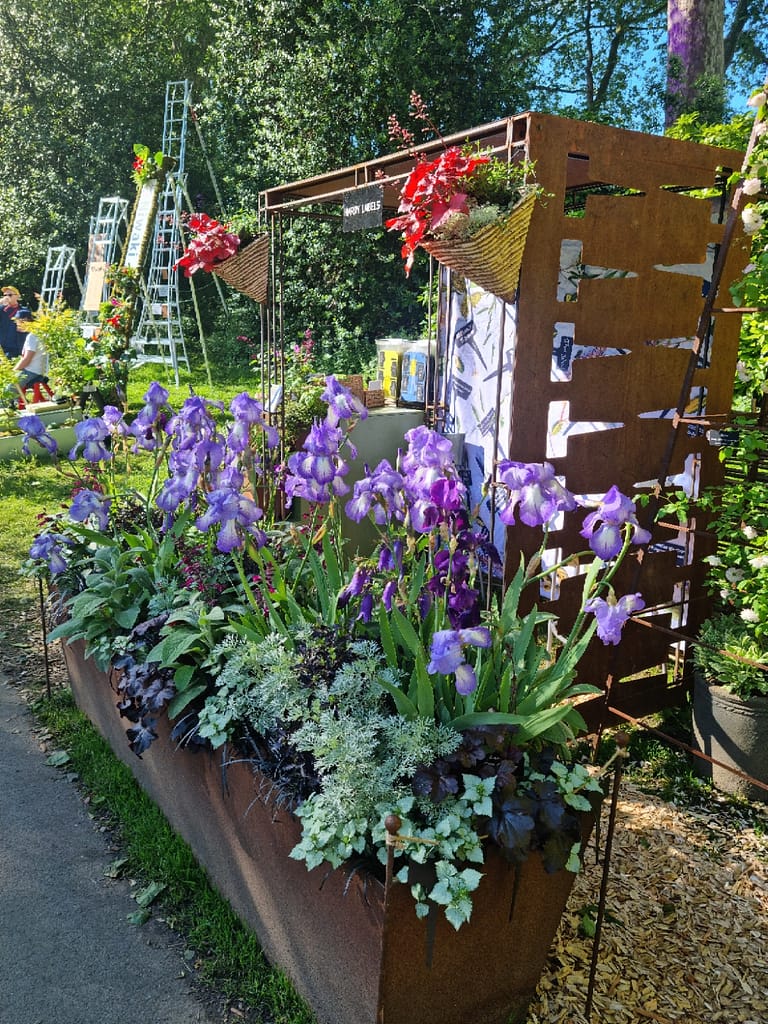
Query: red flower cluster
x=431, y=192
x=212, y=242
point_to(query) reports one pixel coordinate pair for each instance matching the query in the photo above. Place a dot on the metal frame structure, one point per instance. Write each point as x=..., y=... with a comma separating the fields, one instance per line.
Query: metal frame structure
x=640, y=208
x=105, y=241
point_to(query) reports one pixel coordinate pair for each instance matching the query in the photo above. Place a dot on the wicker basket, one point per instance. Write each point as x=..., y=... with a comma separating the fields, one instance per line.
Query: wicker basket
x=374, y=399
x=492, y=257
x=248, y=269
x=354, y=383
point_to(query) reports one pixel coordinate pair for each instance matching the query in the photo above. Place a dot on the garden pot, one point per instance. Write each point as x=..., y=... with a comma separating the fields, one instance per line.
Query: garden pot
x=352, y=945
x=733, y=730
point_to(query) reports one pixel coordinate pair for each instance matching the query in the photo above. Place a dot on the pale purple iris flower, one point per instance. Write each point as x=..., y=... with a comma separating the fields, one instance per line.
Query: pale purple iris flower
x=181, y=483
x=50, y=548
x=447, y=654
x=149, y=419
x=236, y=516
x=342, y=404
x=34, y=429
x=380, y=491
x=604, y=528
x=90, y=434
x=115, y=421
x=248, y=412
x=612, y=614
x=193, y=423
x=90, y=505
x=534, y=488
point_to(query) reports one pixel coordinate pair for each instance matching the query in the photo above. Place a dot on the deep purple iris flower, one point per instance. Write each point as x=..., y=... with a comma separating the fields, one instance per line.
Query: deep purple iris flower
x=612, y=614
x=356, y=586
x=248, y=412
x=604, y=528
x=236, y=516
x=181, y=483
x=50, y=548
x=534, y=488
x=34, y=430
x=90, y=433
x=447, y=654
x=148, y=421
x=342, y=404
x=90, y=504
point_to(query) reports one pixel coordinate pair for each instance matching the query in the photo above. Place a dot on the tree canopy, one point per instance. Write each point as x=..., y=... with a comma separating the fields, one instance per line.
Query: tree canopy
x=289, y=88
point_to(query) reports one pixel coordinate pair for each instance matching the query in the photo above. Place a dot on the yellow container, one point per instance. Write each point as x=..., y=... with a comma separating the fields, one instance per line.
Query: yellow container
x=389, y=354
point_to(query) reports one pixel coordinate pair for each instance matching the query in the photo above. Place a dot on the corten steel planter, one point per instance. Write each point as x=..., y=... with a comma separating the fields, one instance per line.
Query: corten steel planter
x=352, y=946
x=733, y=730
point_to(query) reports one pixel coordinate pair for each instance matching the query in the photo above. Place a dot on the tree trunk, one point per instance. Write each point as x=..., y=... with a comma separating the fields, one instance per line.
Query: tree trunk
x=695, y=58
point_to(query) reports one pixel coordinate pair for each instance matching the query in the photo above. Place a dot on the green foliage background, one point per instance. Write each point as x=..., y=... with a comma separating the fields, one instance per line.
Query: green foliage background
x=285, y=89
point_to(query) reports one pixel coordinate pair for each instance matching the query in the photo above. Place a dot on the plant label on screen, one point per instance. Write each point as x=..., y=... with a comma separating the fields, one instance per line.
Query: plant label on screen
x=363, y=208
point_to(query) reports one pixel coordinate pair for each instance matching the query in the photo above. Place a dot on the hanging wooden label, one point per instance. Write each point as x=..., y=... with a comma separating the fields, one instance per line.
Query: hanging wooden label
x=363, y=208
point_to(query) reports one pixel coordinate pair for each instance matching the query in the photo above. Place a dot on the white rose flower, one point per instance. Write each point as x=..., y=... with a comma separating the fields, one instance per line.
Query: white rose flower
x=751, y=186
x=759, y=562
x=741, y=372
x=749, y=615
x=752, y=220
x=749, y=532
x=733, y=575
x=757, y=100
x=713, y=560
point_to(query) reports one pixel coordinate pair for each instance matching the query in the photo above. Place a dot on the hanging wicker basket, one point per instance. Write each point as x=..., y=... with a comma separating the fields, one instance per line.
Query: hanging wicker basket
x=492, y=257
x=248, y=269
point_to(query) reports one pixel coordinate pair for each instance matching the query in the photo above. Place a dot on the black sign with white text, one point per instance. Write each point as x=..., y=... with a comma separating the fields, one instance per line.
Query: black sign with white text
x=363, y=208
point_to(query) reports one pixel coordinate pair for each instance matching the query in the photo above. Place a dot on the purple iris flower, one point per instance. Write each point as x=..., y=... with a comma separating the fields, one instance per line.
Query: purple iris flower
x=34, y=430
x=447, y=654
x=604, y=528
x=426, y=448
x=87, y=504
x=114, y=420
x=612, y=614
x=193, y=423
x=90, y=434
x=248, y=411
x=50, y=548
x=181, y=483
x=315, y=473
x=155, y=402
x=235, y=515
x=534, y=487
x=342, y=404
x=380, y=491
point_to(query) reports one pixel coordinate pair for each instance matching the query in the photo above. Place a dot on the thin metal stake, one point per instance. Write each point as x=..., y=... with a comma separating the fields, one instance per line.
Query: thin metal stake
x=622, y=742
x=45, y=637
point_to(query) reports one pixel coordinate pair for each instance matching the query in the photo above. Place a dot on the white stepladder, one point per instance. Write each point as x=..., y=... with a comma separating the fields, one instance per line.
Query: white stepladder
x=105, y=241
x=59, y=260
x=159, y=334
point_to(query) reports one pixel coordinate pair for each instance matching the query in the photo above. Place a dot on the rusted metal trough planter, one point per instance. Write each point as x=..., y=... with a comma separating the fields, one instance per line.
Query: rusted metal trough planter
x=353, y=947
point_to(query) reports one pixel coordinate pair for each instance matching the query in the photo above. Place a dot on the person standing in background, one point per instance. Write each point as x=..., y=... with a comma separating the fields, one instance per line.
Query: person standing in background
x=32, y=367
x=11, y=339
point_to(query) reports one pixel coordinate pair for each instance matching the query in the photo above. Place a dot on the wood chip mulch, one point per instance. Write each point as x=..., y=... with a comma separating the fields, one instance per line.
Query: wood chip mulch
x=685, y=937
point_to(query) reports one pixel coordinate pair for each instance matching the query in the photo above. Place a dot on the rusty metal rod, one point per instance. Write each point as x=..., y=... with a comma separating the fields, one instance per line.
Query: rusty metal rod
x=685, y=746
x=622, y=743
